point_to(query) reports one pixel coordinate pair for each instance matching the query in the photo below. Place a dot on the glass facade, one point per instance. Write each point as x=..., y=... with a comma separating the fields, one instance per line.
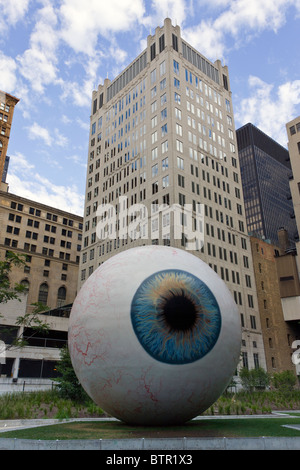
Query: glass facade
x=265, y=173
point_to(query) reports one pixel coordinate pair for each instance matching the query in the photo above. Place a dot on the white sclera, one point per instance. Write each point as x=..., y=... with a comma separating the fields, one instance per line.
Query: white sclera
x=112, y=365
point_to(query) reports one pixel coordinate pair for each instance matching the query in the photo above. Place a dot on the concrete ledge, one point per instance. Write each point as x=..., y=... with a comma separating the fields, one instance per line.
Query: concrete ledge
x=255, y=443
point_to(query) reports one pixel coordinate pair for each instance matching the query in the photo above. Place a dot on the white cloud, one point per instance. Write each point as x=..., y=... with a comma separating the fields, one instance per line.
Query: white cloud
x=77, y=160
x=12, y=12
x=19, y=160
x=119, y=54
x=80, y=93
x=35, y=132
x=177, y=10
x=255, y=16
x=60, y=139
x=269, y=108
x=36, y=67
x=8, y=78
x=38, y=64
x=82, y=22
x=206, y=38
x=239, y=20
x=65, y=119
x=41, y=189
x=83, y=124
x=32, y=185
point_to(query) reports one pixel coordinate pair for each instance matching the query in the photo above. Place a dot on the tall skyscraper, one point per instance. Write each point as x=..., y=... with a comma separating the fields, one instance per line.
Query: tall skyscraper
x=162, y=137
x=7, y=106
x=266, y=172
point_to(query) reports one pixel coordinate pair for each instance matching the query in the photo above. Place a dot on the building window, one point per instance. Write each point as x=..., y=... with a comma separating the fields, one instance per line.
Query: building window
x=175, y=42
x=181, y=199
x=181, y=181
x=253, y=322
x=155, y=187
x=256, y=360
x=180, y=163
x=153, y=51
x=161, y=43
x=153, y=76
x=245, y=359
x=61, y=296
x=176, y=67
x=165, y=181
x=273, y=363
x=165, y=164
x=43, y=293
x=25, y=284
x=162, y=69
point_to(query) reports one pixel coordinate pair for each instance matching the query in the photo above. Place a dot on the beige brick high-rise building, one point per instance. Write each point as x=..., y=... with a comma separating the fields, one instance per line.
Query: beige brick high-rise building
x=50, y=241
x=270, y=262
x=163, y=133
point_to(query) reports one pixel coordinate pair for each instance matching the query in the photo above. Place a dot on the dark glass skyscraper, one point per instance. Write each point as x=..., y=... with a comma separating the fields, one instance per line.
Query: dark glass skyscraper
x=265, y=173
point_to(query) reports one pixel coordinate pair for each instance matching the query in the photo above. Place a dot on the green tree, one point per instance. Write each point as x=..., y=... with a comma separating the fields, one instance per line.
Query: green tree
x=284, y=381
x=68, y=384
x=9, y=292
x=254, y=379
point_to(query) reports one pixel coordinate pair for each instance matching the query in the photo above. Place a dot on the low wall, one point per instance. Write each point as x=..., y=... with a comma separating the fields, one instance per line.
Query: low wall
x=8, y=385
x=186, y=444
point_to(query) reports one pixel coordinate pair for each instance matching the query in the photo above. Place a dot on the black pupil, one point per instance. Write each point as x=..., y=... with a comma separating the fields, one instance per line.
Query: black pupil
x=179, y=313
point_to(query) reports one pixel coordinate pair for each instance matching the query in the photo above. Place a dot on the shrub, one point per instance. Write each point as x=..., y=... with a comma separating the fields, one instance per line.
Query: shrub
x=254, y=379
x=284, y=381
x=67, y=384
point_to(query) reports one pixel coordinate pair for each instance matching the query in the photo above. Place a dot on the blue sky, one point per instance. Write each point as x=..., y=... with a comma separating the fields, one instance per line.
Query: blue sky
x=54, y=53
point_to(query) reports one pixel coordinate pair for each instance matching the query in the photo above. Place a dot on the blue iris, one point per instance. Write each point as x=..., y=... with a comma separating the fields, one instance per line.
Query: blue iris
x=175, y=316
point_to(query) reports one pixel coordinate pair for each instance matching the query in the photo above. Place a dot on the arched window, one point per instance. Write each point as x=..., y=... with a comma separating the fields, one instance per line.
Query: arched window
x=1, y=144
x=61, y=296
x=43, y=293
x=25, y=283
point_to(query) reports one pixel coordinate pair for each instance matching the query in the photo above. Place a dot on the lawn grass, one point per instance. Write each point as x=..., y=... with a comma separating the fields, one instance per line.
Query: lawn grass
x=230, y=427
x=50, y=405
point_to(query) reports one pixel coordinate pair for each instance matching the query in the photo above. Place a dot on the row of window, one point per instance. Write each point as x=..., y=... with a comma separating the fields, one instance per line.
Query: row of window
x=245, y=360
x=44, y=292
x=37, y=212
x=293, y=130
x=154, y=136
x=109, y=182
x=36, y=224
x=208, y=91
x=35, y=235
x=8, y=242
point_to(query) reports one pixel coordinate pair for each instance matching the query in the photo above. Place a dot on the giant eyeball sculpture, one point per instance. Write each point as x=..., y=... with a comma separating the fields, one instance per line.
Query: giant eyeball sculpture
x=154, y=336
